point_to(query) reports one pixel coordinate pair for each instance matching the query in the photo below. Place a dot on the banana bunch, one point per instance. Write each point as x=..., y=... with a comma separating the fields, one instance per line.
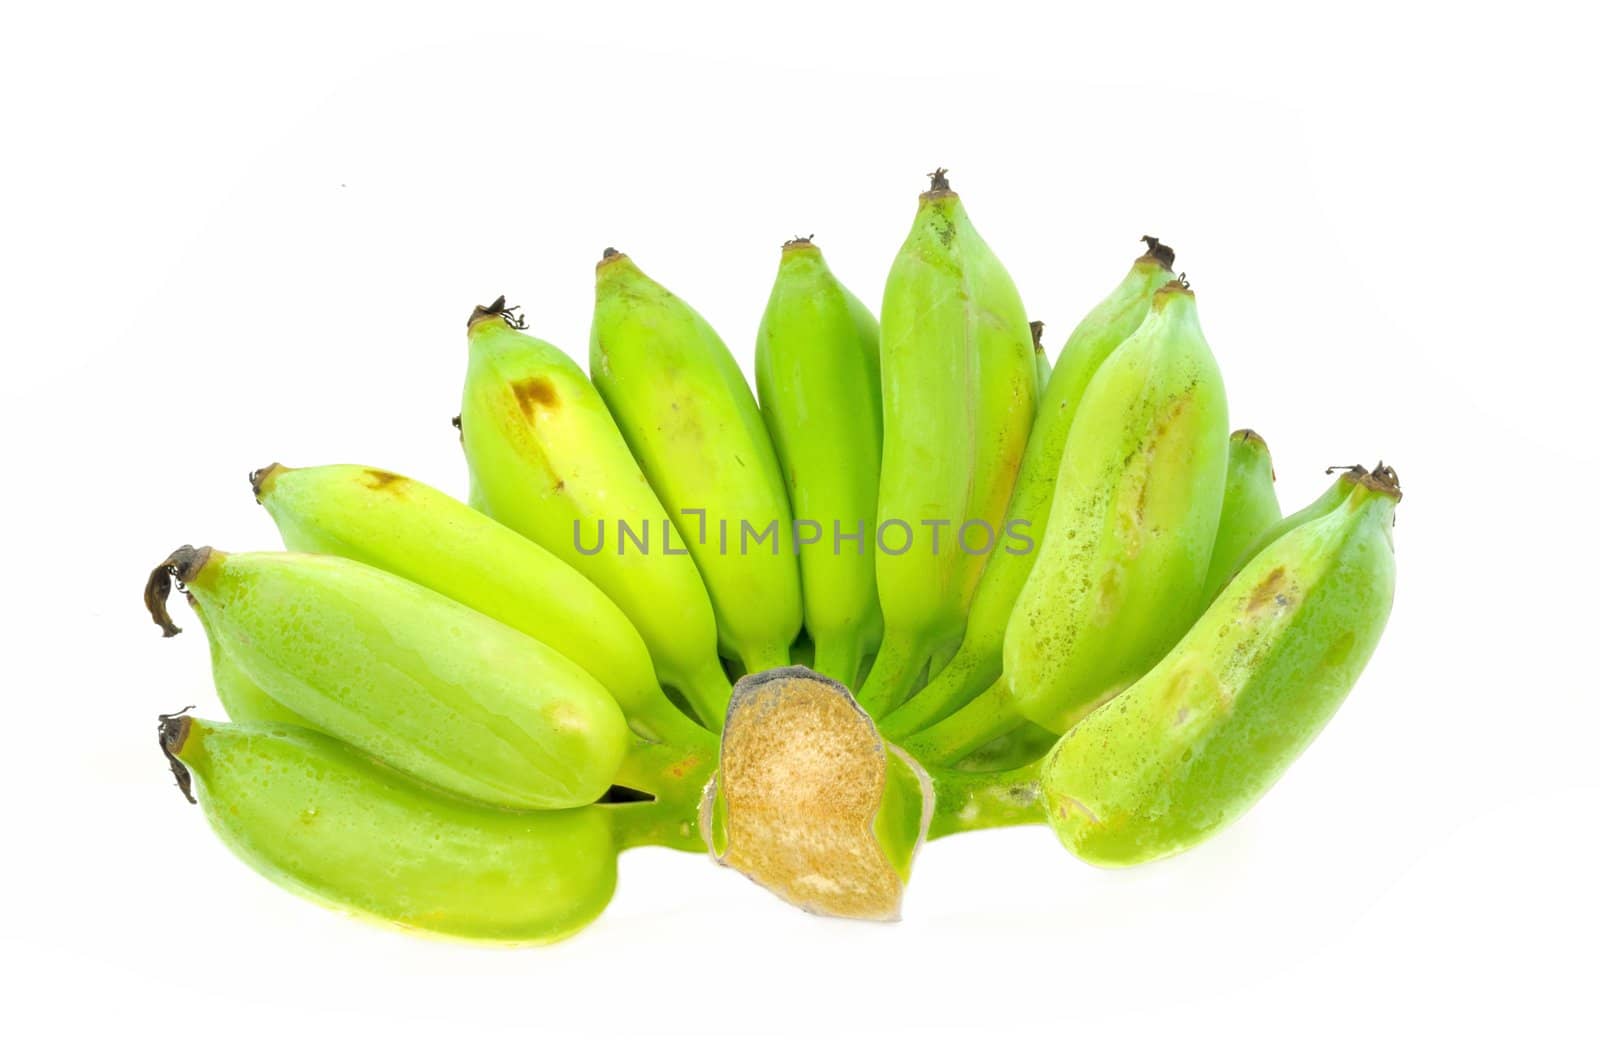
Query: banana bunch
x=917, y=581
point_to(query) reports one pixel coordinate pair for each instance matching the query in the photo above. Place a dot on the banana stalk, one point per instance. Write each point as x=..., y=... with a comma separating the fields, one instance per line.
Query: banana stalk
x=959, y=394
x=811, y=803
x=548, y=461
x=817, y=378
x=977, y=663
x=689, y=417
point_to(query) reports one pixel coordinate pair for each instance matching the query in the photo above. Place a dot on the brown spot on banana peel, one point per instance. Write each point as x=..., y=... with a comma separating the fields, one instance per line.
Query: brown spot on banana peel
x=383, y=480
x=535, y=394
x=180, y=566
x=1273, y=590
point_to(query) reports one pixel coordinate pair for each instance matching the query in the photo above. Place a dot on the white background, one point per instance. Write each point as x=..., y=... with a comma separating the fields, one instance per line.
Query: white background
x=240, y=234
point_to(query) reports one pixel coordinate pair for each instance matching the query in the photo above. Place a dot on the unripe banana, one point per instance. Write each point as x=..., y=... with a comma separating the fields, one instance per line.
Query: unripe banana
x=1194, y=743
x=817, y=376
x=959, y=390
x=548, y=461
x=431, y=687
x=407, y=528
x=977, y=663
x=1324, y=504
x=1249, y=506
x=688, y=415
x=328, y=822
x=1123, y=561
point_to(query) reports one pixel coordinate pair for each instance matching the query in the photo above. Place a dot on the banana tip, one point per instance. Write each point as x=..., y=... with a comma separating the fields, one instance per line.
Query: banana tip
x=261, y=479
x=180, y=566
x=1383, y=479
x=496, y=310
x=1158, y=251
x=172, y=729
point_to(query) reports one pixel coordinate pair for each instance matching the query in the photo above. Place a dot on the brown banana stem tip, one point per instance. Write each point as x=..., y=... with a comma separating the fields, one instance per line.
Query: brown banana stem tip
x=258, y=479
x=938, y=182
x=497, y=309
x=173, y=729
x=1247, y=434
x=1159, y=251
x=180, y=566
x=1037, y=328
x=1383, y=479
x=799, y=241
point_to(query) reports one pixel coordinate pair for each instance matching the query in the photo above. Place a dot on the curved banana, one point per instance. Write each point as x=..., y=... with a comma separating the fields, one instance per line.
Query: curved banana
x=329, y=823
x=688, y=415
x=959, y=391
x=1123, y=561
x=817, y=377
x=548, y=461
x=977, y=663
x=1192, y=745
x=407, y=528
x=1249, y=506
x=431, y=687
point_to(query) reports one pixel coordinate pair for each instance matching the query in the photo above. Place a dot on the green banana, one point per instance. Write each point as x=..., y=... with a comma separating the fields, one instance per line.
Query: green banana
x=1123, y=560
x=415, y=531
x=548, y=461
x=817, y=377
x=328, y=822
x=689, y=416
x=959, y=391
x=431, y=687
x=977, y=663
x=1249, y=506
x=1194, y=743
